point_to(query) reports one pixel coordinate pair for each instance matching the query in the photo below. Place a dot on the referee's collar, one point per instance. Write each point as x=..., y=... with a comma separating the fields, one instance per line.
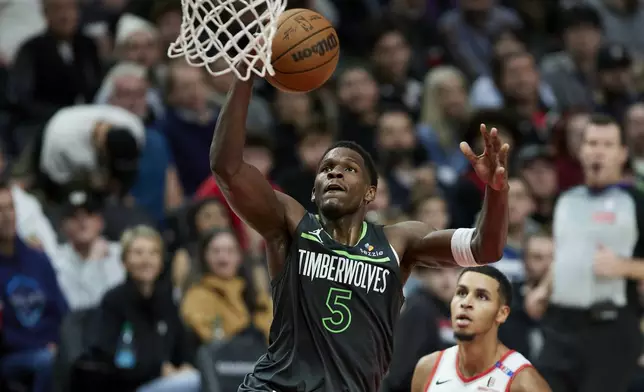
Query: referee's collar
x=596, y=191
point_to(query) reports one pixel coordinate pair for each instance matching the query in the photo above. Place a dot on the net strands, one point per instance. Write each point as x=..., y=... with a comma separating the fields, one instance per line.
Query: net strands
x=222, y=35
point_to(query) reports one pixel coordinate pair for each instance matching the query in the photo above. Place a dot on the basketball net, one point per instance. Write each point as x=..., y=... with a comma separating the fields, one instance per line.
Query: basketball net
x=222, y=35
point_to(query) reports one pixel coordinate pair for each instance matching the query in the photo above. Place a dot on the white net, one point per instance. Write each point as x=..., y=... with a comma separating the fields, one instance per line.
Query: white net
x=228, y=35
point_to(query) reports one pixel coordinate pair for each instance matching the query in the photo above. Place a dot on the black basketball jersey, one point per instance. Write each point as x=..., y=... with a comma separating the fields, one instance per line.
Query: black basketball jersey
x=335, y=311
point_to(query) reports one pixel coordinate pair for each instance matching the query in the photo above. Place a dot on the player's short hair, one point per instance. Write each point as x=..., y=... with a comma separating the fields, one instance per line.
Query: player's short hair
x=366, y=157
x=505, y=287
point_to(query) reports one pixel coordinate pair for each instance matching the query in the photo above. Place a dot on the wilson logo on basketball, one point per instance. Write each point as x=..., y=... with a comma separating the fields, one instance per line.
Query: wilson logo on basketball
x=320, y=48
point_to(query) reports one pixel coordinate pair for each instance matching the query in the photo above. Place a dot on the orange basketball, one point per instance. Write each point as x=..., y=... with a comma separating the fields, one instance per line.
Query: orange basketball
x=305, y=51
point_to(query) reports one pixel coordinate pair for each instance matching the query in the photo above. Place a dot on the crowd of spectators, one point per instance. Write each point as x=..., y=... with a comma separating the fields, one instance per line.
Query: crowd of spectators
x=107, y=203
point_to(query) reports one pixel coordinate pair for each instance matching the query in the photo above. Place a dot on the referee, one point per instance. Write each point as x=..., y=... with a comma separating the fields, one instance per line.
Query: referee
x=591, y=327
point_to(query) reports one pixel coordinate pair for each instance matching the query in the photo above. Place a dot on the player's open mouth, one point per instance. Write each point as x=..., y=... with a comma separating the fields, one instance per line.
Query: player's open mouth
x=333, y=188
x=463, y=321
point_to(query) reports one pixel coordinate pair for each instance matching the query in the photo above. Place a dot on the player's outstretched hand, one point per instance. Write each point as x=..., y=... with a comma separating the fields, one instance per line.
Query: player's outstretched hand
x=492, y=165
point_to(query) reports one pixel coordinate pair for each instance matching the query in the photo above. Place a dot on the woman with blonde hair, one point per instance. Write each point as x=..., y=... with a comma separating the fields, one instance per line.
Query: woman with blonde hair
x=444, y=113
x=140, y=335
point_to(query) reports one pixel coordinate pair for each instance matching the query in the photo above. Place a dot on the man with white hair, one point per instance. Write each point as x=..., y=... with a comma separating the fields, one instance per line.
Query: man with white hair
x=137, y=40
x=157, y=187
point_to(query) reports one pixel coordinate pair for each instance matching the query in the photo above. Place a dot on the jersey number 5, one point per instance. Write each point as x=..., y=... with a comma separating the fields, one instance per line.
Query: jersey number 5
x=336, y=302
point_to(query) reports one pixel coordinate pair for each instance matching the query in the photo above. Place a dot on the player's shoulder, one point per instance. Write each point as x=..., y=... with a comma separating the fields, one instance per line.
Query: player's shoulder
x=423, y=373
x=528, y=379
x=427, y=363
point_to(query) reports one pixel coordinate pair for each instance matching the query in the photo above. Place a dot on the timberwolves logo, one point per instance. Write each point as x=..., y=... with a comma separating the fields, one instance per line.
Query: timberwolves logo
x=369, y=251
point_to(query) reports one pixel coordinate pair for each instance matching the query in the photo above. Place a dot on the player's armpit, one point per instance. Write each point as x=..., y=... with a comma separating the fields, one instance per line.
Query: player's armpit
x=272, y=213
x=424, y=371
x=529, y=380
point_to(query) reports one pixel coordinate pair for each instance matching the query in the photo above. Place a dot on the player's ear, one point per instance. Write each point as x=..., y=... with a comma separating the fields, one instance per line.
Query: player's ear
x=370, y=195
x=502, y=314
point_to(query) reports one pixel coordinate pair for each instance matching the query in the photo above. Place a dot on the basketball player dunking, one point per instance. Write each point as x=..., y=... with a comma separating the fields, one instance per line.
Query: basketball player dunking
x=479, y=362
x=336, y=279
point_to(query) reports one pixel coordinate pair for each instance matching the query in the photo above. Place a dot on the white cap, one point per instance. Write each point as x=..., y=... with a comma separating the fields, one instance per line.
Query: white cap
x=130, y=24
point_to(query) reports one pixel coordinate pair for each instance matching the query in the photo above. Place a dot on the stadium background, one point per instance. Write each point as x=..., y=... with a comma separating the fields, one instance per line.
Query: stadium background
x=415, y=78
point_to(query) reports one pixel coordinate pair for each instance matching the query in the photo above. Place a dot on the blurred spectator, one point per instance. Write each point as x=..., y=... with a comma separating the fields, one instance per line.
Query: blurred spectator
x=98, y=145
x=258, y=153
x=417, y=18
x=467, y=192
x=140, y=332
x=391, y=56
x=119, y=88
x=399, y=153
x=468, y=31
x=204, y=216
x=536, y=167
x=616, y=81
x=443, y=117
x=518, y=80
x=259, y=118
x=521, y=206
x=591, y=327
x=623, y=22
x=539, y=19
x=634, y=130
x=485, y=93
x=424, y=326
x=433, y=211
x=137, y=41
x=188, y=124
x=87, y=264
x=18, y=22
x=522, y=329
x=297, y=182
x=430, y=209
x=33, y=226
x=34, y=305
x=57, y=68
x=224, y=300
x=157, y=188
x=572, y=72
x=358, y=102
x=166, y=15
x=567, y=137
x=380, y=211
x=295, y=115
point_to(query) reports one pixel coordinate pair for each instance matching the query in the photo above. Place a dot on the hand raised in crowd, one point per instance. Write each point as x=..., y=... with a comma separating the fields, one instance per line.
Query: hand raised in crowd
x=491, y=165
x=607, y=264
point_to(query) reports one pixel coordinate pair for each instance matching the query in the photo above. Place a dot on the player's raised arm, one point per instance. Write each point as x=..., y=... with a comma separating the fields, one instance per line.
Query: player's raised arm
x=271, y=213
x=484, y=244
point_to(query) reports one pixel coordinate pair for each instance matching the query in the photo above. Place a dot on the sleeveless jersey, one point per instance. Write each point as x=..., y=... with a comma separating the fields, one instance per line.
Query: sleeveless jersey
x=446, y=376
x=335, y=311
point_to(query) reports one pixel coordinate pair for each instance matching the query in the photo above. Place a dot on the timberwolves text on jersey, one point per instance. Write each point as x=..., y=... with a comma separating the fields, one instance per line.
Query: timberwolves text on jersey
x=335, y=311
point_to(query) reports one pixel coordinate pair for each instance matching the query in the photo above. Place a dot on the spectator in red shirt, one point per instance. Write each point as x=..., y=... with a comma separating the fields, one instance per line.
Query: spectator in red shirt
x=259, y=153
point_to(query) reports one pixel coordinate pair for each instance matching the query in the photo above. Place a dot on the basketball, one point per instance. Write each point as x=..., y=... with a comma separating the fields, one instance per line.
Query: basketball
x=305, y=51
